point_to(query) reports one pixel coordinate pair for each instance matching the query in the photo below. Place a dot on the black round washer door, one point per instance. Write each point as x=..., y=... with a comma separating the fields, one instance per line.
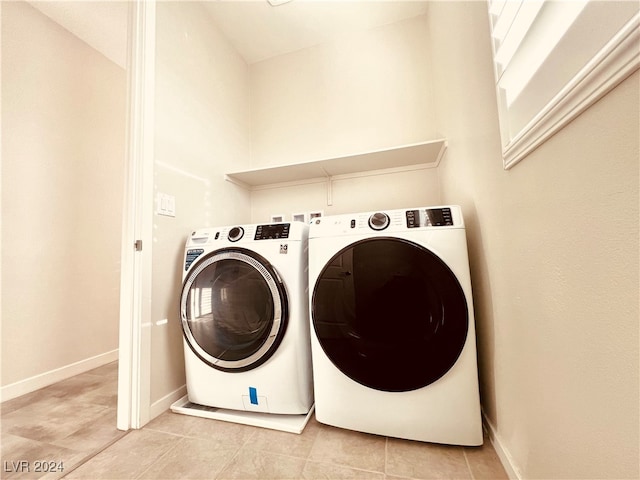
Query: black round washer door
x=233, y=309
x=390, y=314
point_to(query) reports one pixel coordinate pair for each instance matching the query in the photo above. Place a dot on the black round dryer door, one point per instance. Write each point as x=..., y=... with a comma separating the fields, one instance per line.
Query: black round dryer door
x=234, y=309
x=390, y=314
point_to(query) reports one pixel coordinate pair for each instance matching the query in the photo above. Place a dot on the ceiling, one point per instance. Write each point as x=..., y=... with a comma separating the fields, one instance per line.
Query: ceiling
x=259, y=31
x=256, y=29
x=102, y=24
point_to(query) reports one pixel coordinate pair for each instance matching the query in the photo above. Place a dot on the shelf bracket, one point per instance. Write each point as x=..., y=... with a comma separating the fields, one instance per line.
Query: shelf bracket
x=329, y=187
x=330, y=191
x=237, y=182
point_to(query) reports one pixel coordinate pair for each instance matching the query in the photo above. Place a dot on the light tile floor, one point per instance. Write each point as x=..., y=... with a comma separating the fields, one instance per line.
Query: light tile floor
x=65, y=423
x=181, y=446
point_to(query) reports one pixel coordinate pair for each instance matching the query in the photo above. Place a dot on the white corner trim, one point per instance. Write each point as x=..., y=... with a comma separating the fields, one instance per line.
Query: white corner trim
x=503, y=454
x=45, y=379
x=160, y=406
x=513, y=472
x=611, y=65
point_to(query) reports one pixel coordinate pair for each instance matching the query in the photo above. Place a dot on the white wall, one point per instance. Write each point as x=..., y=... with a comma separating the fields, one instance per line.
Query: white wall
x=366, y=91
x=63, y=128
x=202, y=130
x=554, y=257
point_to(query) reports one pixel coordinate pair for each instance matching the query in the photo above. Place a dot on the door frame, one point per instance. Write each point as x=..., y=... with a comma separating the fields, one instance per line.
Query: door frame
x=134, y=357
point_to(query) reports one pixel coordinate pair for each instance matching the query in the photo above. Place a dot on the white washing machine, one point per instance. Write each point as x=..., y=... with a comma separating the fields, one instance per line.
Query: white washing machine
x=393, y=336
x=244, y=310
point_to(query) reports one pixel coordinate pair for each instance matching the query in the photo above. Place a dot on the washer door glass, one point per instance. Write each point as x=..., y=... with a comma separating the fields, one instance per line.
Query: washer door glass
x=390, y=314
x=233, y=309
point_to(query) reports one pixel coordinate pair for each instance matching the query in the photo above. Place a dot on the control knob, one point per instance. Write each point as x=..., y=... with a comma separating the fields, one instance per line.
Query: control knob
x=379, y=221
x=235, y=234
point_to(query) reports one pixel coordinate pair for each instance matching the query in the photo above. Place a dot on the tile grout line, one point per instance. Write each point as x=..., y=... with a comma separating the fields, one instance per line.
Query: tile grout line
x=315, y=439
x=235, y=455
x=346, y=465
x=244, y=445
x=308, y=458
x=194, y=437
x=92, y=455
x=161, y=456
x=386, y=456
x=466, y=459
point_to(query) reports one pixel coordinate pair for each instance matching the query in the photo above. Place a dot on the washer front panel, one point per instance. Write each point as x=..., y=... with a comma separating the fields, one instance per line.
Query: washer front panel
x=234, y=309
x=390, y=314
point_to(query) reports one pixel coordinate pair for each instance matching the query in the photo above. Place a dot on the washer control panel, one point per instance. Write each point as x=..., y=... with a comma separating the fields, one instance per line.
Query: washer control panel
x=272, y=231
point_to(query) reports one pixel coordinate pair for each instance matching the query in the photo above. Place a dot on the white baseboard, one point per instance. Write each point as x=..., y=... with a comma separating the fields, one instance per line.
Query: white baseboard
x=503, y=454
x=45, y=379
x=160, y=406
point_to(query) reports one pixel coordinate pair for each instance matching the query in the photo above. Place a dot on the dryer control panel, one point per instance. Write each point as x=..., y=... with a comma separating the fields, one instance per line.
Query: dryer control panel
x=430, y=217
x=388, y=222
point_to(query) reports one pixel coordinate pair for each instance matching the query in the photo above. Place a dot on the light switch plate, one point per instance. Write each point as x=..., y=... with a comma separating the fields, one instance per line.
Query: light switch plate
x=165, y=205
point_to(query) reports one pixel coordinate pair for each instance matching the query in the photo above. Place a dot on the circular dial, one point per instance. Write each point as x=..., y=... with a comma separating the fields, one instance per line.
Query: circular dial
x=236, y=234
x=379, y=221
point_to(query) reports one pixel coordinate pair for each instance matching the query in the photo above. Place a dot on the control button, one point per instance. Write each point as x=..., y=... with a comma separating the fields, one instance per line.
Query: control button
x=446, y=215
x=353, y=223
x=235, y=234
x=413, y=218
x=379, y=221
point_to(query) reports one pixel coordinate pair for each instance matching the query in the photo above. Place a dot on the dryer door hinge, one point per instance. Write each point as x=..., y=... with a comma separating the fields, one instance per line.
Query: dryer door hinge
x=138, y=245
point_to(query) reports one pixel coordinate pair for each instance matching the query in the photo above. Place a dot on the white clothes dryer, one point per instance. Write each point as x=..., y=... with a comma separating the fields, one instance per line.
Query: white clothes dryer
x=244, y=311
x=393, y=336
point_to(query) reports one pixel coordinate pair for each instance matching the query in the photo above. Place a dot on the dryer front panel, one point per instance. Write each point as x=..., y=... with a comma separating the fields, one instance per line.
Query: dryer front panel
x=234, y=309
x=390, y=314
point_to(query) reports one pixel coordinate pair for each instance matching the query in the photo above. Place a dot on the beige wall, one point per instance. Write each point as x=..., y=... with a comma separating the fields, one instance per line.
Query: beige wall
x=63, y=127
x=361, y=194
x=554, y=258
x=202, y=131
x=366, y=91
